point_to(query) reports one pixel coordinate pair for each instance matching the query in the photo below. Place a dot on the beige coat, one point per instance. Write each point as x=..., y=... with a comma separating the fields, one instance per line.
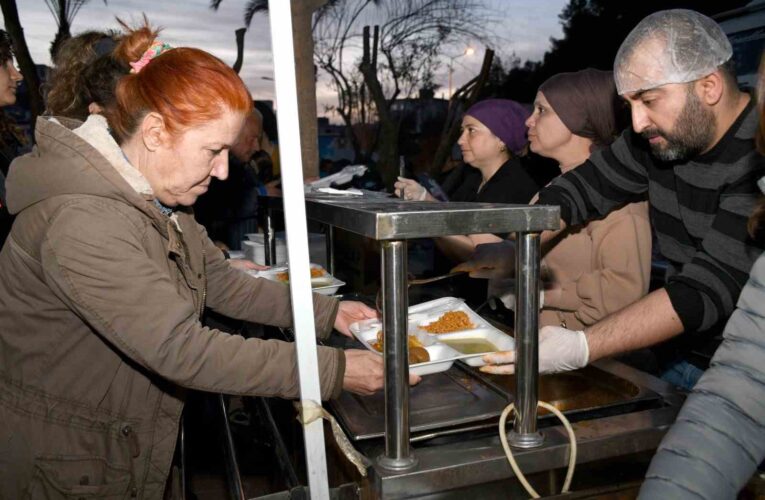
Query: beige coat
x=100, y=299
x=599, y=268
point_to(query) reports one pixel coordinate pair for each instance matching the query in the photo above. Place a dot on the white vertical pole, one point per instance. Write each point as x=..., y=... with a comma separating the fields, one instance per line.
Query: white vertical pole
x=297, y=236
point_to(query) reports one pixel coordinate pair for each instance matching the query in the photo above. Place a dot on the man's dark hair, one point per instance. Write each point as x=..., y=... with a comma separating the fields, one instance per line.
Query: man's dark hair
x=6, y=47
x=728, y=69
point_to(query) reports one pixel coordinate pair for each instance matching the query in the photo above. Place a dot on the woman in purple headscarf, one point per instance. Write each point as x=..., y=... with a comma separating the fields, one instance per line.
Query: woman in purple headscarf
x=492, y=133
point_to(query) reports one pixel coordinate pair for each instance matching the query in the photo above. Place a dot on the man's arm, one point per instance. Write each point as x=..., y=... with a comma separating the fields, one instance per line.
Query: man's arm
x=610, y=178
x=648, y=321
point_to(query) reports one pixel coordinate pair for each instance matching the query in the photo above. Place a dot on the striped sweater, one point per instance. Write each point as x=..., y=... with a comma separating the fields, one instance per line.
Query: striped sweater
x=698, y=210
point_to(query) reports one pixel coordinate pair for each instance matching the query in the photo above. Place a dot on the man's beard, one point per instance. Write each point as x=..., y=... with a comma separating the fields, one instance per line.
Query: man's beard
x=693, y=132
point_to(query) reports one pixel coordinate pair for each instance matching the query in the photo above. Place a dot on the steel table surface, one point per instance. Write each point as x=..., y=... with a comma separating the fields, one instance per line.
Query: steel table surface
x=391, y=222
x=471, y=461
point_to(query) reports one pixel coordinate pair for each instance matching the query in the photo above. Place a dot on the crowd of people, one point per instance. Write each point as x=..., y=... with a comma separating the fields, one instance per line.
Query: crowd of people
x=107, y=270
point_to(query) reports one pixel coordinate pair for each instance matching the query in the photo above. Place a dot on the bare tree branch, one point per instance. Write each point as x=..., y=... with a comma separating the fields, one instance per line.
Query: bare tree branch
x=415, y=37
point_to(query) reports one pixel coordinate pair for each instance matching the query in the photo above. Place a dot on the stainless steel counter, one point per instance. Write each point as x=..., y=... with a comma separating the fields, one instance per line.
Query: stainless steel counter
x=392, y=221
x=476, y=459
x=454, y=449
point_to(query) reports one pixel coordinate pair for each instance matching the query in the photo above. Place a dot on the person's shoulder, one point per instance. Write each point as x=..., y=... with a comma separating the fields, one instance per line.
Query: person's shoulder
x=514, y=183
x=86, y=214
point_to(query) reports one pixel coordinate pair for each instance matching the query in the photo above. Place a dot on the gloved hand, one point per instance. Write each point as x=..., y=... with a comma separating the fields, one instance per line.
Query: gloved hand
x=508, y=299
x=491, y=260
x=560, y=350
x=409, y=189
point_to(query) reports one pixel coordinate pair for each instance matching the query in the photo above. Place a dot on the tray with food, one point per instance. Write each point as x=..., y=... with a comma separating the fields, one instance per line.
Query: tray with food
x=440, y=332
x=321, y=281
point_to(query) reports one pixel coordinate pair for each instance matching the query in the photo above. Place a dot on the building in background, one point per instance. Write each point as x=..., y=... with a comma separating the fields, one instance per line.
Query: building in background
x=745, y=28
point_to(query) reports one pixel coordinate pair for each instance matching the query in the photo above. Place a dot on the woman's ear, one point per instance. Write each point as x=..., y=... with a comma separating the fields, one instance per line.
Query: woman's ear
x=153, y=131
x=94, y=109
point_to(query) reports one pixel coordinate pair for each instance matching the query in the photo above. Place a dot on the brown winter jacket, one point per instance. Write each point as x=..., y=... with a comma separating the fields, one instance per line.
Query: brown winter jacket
x=100, y=299
x=598, y=268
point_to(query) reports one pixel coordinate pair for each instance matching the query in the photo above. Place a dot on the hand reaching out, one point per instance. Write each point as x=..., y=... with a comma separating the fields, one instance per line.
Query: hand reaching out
x=560, y=350
x=365, y=372
x=491, y=260
x=245, y=265
x=350, y=312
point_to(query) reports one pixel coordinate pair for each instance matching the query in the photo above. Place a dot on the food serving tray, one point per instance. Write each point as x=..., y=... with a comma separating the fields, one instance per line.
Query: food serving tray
x=463, y=399
x=326, y=284
x=449, y=399
x=466, y=344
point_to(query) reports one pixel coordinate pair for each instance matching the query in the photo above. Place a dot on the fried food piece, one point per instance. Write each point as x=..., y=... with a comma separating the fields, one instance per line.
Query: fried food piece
x=317, y=272
x=417, y=352
x=418, y=355
x=450, y=321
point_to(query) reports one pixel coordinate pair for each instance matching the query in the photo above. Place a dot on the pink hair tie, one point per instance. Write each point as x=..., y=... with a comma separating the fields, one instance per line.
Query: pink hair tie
x=153, y=51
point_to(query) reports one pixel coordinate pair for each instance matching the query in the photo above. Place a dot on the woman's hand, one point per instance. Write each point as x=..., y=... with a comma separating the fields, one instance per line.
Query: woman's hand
x=409, y=189
x=491, y=260
x=245, y=265
x=351, y=311
x=365, y=373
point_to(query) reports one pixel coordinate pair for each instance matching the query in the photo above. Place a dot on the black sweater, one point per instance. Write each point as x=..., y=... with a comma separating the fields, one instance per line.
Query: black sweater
x=698, y=209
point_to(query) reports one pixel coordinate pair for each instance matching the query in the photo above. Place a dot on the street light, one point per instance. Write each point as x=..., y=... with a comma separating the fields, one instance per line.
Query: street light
x=468, y=51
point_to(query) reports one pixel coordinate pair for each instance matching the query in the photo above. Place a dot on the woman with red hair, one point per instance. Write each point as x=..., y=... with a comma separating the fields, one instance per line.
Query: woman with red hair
x=106, y=276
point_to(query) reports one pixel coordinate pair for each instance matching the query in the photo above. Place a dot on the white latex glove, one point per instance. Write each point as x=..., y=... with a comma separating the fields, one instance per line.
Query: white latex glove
x=491, y=260
x=508, y=299
x=560, y=350
x=409, y=189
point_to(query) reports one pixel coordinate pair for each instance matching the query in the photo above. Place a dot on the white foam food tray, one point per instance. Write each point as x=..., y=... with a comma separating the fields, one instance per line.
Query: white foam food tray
x=325, y=285
x=442, y=356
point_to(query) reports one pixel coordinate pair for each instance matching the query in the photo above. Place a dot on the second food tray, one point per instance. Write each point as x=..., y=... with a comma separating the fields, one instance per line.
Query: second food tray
x=466, y=335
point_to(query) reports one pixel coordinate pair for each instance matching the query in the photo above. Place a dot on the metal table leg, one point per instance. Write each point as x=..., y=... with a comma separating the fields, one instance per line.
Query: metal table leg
x=232, y=466
x=331, y=249
x=281, y=452
x=524, y=433
x=182, y=466
x=398, y=455
x=269, y=239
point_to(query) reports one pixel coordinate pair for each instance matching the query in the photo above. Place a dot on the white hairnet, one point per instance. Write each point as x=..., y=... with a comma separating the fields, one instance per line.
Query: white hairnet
x=670, y=46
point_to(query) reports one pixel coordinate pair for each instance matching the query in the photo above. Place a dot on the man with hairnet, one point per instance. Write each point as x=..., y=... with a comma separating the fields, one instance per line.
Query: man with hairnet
x=691, y=151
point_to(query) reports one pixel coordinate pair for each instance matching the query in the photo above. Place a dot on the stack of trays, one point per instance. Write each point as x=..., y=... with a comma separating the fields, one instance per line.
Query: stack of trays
x=467, y=335
x=321, y=281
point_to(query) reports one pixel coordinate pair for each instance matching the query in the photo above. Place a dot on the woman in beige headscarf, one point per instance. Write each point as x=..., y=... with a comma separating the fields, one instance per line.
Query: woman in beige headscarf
x=605, y=265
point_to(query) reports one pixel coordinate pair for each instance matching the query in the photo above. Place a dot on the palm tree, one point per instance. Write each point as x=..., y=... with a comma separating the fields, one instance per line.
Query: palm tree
x=302, y=38
x=63, y=12
x=24, y=58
